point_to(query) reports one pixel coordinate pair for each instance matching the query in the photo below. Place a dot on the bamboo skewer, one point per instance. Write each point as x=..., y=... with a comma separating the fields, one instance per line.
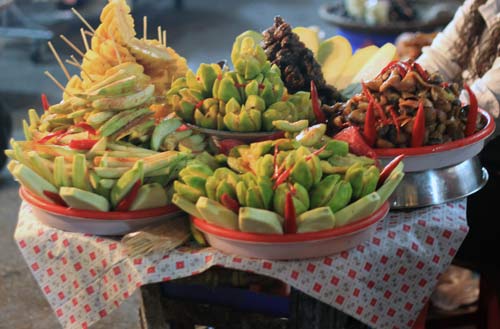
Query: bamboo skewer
x=116, y=49
x=159, y=34
x=164, y=38
x=145, y=27
x=84, y=21
x=72, y=45
x=56, y=55
x=84, y=38
x=54, y=80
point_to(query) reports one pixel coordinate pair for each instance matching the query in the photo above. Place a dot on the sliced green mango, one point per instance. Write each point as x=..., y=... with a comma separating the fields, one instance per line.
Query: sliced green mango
x=150, y=196
x=80, y=175
x=162, y=130
x=32, y=181
x=315, y=220
x=357, y=210
x=81, y=199
x=186, y=205
x=262, y=221
x=215, y=213
x=126, y=182
x=386, y=190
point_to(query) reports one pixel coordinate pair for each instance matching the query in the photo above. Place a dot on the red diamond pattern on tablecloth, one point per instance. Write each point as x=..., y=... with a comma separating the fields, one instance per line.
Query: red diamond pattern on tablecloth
x=85, y=278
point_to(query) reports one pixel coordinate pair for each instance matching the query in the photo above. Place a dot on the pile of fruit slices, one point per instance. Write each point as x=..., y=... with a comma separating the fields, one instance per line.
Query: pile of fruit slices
x=307, y=182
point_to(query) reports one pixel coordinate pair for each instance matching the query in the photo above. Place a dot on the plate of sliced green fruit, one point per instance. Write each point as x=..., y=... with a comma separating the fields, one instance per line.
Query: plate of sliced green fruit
x=272, y=197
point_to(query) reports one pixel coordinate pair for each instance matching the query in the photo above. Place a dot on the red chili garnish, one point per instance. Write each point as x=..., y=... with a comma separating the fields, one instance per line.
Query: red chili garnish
x=275, y=161
x=282, y=178
x=183, y=127
x=317, y=152
x=82, y=144
x=51, y=135
x=45, y=102
x=292, y=188
x=230, y=203
x=316, y=107
x=420, y=70
x=370, y=97
x=418, y=131
x=127, y=201
x=470, y=126
x=199, y=104
x=226, y=145
x=386, y=172
x=56, y=198
x=445, y=84
x=88, y=128
x=394, y=118
x=261, y=86
x=369, y=130
x=389, y=66
x=290, y=216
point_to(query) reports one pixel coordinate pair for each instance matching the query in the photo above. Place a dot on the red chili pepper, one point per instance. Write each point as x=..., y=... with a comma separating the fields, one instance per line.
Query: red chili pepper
x=82, y=144
x=418, y=131
x=88, y=128
x=230, y=203
x=318, y=113
x=317, y=152
x=386, y=172
x=199, y=104
x=470, y=126
x=56, y=198
x=292, y=188
x=445, y=84
x=282, y=178
x=51, y=135
x=290, y=216
x=226, y=145
x=420, y=70
x=127, y=201
x=45, y=102
x=386, y=68
x=183, y=127
x=394, y=118
x=370, y=97
x=369, y=130
x=275, y=161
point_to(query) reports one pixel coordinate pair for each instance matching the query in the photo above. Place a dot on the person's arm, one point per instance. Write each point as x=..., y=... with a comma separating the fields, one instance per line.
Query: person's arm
x=487, y=90
x=438, y=56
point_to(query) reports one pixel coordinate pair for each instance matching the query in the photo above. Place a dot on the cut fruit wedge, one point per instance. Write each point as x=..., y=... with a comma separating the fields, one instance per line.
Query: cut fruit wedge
x=80, y=199
x=386, y=190
x=262, y=221
x=150, y=196
x=32, y=181
x=354, y=65
x=309, y=37
x=186, y=205
x=215, y=213
x=377, y=62
x=314, y=220
x=333, y=55
x=357, y=210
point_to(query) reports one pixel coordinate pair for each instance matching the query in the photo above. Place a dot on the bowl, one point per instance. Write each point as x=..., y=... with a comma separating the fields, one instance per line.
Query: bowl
x=441, y=155
x=246, y=137
x=96, y=222
x=436, y=186
x=291, y=246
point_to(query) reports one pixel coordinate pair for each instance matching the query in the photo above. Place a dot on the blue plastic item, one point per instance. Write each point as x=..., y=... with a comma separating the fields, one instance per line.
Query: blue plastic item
x=236, y=298
x=360, y=39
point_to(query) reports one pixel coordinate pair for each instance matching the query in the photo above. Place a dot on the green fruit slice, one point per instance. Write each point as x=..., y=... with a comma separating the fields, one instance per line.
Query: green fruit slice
x=80, y=199
x=215, y=213
x=262, y=221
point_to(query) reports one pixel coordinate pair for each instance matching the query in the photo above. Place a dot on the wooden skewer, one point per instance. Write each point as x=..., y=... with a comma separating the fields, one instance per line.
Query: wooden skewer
x=159, y=34
x=75, y=64
x=72, y=45
x=56, y=55
x=165, y=38
x=145, y=27
x=74, y=59
x=115, y=48
x=54, y=80
x=84, y=38
x=84, y=21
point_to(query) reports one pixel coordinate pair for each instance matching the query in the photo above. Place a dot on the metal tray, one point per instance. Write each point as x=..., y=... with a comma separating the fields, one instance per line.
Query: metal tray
x=436, y=186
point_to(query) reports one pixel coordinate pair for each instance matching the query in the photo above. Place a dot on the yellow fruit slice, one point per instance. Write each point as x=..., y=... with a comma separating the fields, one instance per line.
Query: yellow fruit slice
x=309, y=37
x=376, y=63
x=333, y=55
x=354, y=65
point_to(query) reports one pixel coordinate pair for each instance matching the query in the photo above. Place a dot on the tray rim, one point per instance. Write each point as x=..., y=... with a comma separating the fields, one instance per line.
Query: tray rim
x=244, y=237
